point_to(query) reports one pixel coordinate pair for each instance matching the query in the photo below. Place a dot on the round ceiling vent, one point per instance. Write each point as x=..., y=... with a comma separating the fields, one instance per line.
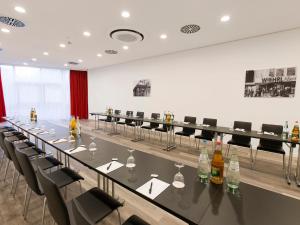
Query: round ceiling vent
x=11, y=21
x=190, y=29
x=1, y=49
x=126, y=35
x=73, y=63
x=111, y=52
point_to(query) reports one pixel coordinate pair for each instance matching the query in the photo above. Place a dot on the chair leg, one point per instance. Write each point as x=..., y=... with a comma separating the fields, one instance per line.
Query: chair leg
x=44, y=207
x=2, y=160
x=27, y=206
x=80, y=186
x=190, y=142
x=14, y=194
x=180, y=139
x=6, y=170
x=13, y=181
x=25, y=200
x=251, y=154
x=120, y=221
x=283, y=159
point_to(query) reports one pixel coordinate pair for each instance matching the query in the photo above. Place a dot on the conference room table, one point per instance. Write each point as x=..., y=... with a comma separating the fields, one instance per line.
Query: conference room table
x=196, y=203
x=217, y=129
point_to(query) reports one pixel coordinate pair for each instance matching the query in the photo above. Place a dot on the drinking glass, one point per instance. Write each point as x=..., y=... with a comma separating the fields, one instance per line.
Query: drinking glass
x=179, y=178
x=92, y=147
x=131, y=160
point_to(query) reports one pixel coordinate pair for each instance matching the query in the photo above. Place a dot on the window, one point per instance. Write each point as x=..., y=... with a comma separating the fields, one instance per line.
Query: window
x=46, y=90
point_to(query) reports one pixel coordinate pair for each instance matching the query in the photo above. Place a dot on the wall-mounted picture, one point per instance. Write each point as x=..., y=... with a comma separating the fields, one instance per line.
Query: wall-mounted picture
x=142, y=88
x=271, y=83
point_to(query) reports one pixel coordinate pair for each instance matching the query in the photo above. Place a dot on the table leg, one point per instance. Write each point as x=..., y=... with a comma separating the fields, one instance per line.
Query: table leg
x=297, y=175
x=98, y=180
x=289, y=169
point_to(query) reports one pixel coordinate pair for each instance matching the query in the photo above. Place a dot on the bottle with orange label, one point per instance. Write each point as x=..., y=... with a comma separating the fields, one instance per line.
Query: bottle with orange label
x=217, y=164
x=295, y=132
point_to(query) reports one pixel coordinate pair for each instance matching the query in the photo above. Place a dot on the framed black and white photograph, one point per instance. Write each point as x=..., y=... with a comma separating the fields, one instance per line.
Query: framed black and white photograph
x=271, y=83
x=142, y=88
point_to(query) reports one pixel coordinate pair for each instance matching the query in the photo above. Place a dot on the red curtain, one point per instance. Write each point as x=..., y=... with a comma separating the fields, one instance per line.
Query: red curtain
x=2, y=103
x=79, y=94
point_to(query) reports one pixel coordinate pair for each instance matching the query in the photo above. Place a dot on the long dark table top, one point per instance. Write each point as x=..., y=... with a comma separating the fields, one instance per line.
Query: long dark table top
x=197, y=203
x=217, y=129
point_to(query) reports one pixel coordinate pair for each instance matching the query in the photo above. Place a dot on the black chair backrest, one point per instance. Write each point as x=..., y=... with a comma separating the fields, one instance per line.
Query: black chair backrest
x=80, y=215
x=191, y=120
x=29, y=173
x=3, y=130
x=209, y=134
x=117, y=112
x=154, y=116
x=128, y=113
x=242, y=125
x=276, y=129
x=11, y=151
x=56, y=203
x=139, y=115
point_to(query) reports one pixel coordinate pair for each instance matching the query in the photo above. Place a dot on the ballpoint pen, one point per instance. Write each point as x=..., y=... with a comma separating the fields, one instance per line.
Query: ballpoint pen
x=150, y=189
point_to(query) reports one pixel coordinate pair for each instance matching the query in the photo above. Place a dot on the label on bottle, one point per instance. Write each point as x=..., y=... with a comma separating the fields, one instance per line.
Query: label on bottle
x=215, y=172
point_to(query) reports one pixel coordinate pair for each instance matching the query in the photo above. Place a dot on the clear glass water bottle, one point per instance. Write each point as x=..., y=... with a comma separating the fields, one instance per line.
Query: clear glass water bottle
x=285, y=133
x=203, y=166
x=233, y=173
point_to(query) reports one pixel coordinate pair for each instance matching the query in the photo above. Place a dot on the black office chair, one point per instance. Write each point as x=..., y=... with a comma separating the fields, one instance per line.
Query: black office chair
x=97, y=204
x=152, y=125
x=270, y=145
x=3, y=130
x=136, y=123
x=162, y=130
x=45, y=163
x=82, y=218
x=187, y=132
x=240, y=140
x=126, y=121
x=6, y=153
x=206, y=134
x=61, y=178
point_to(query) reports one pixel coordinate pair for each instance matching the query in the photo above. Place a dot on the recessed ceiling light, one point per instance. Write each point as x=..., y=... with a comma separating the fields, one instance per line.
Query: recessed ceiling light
x=99, y=55
x=65, y=64
x=86, y=33
x=45, y=53
x=25, y=64
x=62, y=45
x=125, y=47
x=225, y=18
x=163, y=36
x=125, y=14
x=20, y=9
x=80, y=60
x=34, y=59
x=5, y=30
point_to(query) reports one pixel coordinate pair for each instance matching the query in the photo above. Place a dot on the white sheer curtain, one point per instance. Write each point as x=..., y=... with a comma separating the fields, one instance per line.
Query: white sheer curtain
x=47, y=90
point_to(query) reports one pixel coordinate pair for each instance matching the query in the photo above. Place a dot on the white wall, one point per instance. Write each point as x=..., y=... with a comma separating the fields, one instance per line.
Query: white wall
x=205, y=82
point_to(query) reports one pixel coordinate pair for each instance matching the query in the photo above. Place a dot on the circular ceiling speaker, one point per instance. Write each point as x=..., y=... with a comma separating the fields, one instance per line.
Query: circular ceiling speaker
x=190, y=29
x=111, y=52
x=11, y=21
x=126, y=35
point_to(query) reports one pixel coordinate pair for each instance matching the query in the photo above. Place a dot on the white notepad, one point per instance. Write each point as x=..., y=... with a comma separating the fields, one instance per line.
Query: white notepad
x=58, y=141
x=114, y=166
x=158, y=186
x=45, y=132
x=78, y=149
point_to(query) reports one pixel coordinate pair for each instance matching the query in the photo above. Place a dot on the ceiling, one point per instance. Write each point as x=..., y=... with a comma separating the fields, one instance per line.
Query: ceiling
x=49, y=23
